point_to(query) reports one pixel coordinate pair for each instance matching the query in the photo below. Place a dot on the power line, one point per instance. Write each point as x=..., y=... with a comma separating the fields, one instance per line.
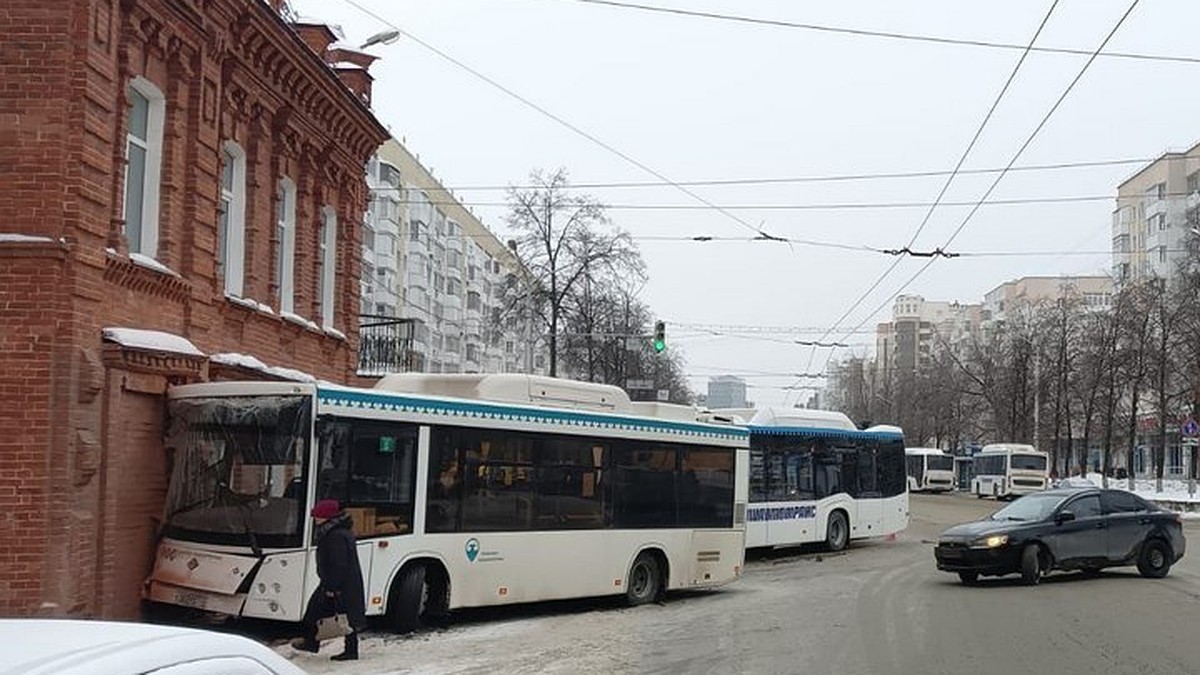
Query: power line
x=564, y=123
x=830, y=178
x=1015, y=157
x=890, y=35
x=949, y=178
x=818, y=206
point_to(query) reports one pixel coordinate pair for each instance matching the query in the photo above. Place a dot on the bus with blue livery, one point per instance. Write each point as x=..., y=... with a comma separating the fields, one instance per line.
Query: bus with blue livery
x=816, y=478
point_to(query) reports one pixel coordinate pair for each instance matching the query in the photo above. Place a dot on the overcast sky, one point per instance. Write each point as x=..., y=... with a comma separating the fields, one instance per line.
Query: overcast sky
x=702, y=99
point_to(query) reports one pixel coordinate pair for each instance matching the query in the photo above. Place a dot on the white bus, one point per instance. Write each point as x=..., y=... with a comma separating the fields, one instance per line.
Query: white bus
x=815, y=477
x=929, y=470
x=465, y=491
x=1005, y=470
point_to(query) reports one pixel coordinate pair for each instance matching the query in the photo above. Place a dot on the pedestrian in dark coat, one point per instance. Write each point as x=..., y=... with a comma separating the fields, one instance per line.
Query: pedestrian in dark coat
x=341, y=587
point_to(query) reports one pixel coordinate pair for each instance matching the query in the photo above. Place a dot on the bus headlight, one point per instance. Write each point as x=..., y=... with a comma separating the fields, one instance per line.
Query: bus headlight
x=992, y=541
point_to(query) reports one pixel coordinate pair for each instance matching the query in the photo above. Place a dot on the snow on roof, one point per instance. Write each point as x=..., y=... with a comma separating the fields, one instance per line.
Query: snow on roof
x=252, y=363
x=296, y=318
x=346, y=64
x=151, y=340
x=802, y=417
x=22, y=238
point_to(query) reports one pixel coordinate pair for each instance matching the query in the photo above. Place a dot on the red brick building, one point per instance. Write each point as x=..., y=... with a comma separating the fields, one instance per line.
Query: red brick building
x=191, y=168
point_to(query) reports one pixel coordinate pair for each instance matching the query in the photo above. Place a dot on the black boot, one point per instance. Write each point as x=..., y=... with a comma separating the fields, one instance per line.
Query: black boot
x=306, y=644
x=351, y=651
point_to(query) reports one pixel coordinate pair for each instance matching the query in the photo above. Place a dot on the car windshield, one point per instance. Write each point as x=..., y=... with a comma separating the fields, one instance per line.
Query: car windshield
x=238, y=469
x=1031, y=508
x=1028, y=462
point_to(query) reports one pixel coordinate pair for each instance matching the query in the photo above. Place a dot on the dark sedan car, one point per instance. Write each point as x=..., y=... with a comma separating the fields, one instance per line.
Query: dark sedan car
x=1067, y=529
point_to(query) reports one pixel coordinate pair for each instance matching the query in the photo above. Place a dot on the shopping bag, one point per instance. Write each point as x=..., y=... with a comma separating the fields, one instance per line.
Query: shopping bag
x=335, y=626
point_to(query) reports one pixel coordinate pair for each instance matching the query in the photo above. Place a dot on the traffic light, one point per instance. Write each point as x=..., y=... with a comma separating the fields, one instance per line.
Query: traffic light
x=660, y=336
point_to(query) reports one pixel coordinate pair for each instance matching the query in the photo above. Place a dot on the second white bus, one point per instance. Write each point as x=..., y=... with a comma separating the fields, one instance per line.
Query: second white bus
x=1005, y=470
x=929, y=470
x=815, y=477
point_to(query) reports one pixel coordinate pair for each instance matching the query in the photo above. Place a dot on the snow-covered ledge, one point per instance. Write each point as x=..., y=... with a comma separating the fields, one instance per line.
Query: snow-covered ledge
x=151, y=340
x=251, y=363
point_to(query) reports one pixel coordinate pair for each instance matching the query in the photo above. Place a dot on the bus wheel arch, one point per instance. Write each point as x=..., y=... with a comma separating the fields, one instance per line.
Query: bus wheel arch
x=419, y=593
x=647, y=578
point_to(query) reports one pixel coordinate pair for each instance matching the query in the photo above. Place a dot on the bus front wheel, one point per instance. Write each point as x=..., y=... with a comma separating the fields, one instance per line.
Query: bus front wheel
x=837, y=532
x=409, y=598
x=645, y=580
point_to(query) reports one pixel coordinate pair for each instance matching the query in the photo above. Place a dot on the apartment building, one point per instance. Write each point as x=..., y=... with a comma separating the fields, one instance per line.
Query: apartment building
x=1157, y=210
x=437, y=281
x=917, y=325
x=1094, y=292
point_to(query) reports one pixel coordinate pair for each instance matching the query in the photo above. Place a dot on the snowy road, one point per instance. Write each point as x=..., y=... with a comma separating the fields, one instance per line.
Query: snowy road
x=879, y=608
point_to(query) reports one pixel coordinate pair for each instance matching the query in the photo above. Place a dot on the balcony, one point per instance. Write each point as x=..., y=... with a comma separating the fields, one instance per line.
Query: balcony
x=384, y=345
x=1193, y=199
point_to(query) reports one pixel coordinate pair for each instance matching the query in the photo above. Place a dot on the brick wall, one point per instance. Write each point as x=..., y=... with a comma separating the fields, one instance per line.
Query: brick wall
x=81, y=472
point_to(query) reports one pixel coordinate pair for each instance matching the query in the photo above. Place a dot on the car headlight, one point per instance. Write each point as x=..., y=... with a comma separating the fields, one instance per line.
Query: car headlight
x=992, y=541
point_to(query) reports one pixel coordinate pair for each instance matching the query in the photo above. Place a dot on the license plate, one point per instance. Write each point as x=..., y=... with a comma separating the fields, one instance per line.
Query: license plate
x=951, y=553
x=191, y=599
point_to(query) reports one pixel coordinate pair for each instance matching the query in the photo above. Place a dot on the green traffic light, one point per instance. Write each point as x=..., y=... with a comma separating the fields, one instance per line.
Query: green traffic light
x=659, y=345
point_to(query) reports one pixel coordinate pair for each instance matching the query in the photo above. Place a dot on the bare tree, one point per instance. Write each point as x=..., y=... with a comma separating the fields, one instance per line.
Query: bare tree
x=566, y=238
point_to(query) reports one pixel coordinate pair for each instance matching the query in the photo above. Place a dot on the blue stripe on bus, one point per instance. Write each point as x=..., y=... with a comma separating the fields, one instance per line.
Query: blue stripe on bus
x=401, y=403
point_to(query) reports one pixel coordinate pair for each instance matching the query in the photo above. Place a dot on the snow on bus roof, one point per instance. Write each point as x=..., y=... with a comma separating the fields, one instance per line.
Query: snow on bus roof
x=801, y=417
x=1007, y=447
x=924, y=451
x=512, y=388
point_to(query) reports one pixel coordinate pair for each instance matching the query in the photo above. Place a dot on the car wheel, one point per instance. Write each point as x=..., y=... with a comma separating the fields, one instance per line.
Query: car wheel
x=1031, y=565
x=968, y=578
x=837, y=532
x=1155, y=560
x=644, y=580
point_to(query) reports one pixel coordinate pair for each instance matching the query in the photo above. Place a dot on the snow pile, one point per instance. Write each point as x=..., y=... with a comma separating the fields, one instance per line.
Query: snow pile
x=1076, y=482
x=150, y=263
x=151, y=340
x=251, y=363
x=333, y=332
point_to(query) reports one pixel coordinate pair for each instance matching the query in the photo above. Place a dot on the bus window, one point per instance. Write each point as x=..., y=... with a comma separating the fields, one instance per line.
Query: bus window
x=569, y=471
x=369, y=467
x=888, y=461
x=706, y=488
x=643, y=486
x=445, y=483
x=867, y=484
x=827, y=471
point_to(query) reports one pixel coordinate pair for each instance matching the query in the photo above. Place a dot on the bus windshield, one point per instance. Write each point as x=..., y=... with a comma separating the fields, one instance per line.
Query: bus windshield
x=238, y=474
x=939, y=463
x=1028, y=462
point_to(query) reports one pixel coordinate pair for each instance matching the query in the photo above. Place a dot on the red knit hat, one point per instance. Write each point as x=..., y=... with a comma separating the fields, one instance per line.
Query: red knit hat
x=326, y=508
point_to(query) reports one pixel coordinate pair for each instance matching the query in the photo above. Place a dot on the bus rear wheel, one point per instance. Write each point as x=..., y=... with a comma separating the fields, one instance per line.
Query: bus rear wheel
x=645, y=580
x=837, y=532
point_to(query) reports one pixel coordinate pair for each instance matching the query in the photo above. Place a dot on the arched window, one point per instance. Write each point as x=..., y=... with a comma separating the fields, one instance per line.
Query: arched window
x=285, y=237
x=143, y=165
x=326, y=265
x=231, y=219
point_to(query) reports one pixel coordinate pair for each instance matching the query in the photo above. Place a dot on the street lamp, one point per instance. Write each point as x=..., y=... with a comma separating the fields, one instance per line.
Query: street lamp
x=386, y=37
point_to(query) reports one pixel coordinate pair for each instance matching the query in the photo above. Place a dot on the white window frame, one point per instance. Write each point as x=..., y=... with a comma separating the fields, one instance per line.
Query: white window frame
x=233, y=199
x=285, y=260
x=326, y=270
x=147, y=243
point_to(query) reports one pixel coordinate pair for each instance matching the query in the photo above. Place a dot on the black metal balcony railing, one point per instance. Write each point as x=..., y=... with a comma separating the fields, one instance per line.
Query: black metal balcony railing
x=385, y=344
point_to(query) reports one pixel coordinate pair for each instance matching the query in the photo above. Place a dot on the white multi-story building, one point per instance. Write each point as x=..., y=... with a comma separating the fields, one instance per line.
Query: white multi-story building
x=1094, y=293
x=437, y=280
x=1157, y=209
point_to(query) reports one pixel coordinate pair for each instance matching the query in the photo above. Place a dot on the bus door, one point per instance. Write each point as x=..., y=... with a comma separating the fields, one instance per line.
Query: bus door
x=869, y=494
